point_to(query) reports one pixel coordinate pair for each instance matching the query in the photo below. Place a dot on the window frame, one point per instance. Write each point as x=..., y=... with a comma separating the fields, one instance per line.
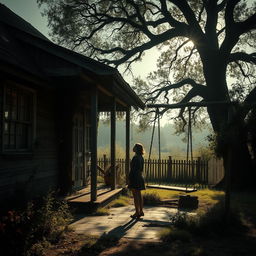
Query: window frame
x=32, y=123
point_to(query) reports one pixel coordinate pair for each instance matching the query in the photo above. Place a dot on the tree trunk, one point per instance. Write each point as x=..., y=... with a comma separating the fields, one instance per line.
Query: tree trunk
x=234, y=138
x=232, y=133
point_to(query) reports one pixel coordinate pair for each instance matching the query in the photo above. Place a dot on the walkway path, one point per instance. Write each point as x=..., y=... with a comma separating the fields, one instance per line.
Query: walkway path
x=119, y=223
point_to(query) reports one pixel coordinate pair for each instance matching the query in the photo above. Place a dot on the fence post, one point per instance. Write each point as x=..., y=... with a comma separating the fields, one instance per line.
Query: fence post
x=198, y=171
x=104, y=161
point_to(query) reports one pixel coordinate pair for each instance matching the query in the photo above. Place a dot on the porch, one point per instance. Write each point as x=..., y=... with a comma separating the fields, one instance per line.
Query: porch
x=81, y=201
x=81, y=98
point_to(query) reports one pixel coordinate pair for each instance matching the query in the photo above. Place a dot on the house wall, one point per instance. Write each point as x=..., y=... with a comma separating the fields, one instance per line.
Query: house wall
x=30, y=175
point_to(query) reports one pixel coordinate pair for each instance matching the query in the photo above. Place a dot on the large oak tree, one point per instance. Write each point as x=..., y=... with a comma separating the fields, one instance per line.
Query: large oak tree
x=207, y=54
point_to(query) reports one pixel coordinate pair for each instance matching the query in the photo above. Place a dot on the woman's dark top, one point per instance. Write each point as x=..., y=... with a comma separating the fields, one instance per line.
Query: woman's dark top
x=136, y=179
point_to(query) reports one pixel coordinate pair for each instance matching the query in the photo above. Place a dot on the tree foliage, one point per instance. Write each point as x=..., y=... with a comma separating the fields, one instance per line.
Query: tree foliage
x=207, y=46
x=207, y=49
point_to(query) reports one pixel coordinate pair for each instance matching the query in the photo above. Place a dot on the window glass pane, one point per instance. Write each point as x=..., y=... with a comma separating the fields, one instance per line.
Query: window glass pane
x=14, y=104
x=6, y=114
x=6, y=141
x=21, y=107
x=22, y=136
x=17, y=110
x=27, y=107
x=6, y=127
x=12, y=142
x=12, y=129
x=7, y=103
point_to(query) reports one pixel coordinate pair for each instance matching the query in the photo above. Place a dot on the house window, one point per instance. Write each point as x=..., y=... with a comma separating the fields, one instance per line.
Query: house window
x=18, y=118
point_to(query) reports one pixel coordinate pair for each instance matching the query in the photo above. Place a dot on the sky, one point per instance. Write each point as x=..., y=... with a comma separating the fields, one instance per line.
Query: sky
x=29, y=11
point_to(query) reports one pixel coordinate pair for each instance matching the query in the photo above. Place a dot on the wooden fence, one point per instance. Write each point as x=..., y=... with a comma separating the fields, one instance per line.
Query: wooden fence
x=171, y=171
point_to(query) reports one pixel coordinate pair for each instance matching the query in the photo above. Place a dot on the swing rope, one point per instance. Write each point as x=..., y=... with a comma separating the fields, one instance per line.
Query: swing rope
x=159, y=138
x=159, y=148
x=189, y=145
x=151, y=144
x=157, y=117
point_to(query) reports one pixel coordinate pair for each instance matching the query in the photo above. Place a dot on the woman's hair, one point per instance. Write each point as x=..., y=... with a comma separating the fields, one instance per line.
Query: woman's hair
x=139, y=149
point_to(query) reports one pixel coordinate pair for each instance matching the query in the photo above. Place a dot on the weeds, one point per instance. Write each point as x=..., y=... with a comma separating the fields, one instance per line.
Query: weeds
x=209, y=223
x=173, y=234
x=42, y=222
x=119, y=202
x=151, y=198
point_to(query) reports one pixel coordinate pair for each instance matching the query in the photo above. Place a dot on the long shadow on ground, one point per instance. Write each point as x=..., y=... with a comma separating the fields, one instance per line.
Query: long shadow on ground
x=109, y=239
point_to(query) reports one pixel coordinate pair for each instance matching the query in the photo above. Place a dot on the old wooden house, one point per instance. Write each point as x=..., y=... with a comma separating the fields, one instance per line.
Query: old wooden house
x=50, y=98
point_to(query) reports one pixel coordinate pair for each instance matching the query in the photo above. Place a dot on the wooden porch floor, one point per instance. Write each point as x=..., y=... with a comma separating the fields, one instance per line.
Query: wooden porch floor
x=81, y=200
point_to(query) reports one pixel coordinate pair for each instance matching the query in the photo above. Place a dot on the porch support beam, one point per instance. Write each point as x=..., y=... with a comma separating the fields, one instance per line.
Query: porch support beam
x=113, y=143
x=127, y=146
x=190, y=104
x=94, y=117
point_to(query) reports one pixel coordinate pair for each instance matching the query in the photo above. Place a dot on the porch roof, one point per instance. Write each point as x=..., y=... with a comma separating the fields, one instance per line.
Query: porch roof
x=24, y=44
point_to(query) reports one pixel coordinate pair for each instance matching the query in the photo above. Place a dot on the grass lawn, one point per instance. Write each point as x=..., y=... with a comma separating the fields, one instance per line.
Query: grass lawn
x=207, y=197
x=211, y=235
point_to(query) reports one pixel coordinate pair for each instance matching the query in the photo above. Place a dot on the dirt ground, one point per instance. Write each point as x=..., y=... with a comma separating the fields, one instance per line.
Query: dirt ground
x=232, y=241
x=225, y=245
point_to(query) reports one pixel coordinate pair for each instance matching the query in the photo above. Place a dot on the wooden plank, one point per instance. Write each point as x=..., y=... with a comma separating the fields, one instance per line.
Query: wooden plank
x=182, y=189
x=101, y=197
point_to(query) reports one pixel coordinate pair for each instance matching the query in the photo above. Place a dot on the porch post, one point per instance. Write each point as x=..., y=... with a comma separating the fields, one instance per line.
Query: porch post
x=94, y=114
x=127, y=141
x=113, y=143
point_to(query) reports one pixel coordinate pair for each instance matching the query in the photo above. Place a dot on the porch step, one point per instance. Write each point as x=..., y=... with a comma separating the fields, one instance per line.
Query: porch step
x=84, y=204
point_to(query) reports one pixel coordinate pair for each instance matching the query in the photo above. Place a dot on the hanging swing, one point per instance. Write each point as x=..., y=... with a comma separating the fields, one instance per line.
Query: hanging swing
x=189, y=153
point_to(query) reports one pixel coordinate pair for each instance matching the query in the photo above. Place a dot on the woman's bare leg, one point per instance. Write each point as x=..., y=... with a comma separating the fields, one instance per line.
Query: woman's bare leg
x=140, y=199
x=136, y=201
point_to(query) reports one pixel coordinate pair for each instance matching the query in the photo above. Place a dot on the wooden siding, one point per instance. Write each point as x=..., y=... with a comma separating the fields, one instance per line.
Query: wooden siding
x=34, y=174
x=1, y=110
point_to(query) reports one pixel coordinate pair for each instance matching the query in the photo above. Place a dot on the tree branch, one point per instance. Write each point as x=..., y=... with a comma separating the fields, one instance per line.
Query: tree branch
x=173, y=22
x=139, y=49
x=199, y=89
x=232, y=35
x=176, y=53
x=250, y=99
x=222, y=5
x=247, y=25
x=211, y=23
x=242, y=56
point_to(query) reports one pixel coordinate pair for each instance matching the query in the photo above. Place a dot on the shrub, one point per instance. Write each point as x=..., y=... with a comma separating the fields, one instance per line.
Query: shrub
x=119, y=202
x=212, y=221
x=51, y=218
x=38, y=248
x=151, y=198
x=24, y=232
x=182, y=220
x=169, y=234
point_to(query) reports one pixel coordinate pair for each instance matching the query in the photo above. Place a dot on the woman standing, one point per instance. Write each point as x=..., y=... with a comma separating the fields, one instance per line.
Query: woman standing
x=136, y=180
